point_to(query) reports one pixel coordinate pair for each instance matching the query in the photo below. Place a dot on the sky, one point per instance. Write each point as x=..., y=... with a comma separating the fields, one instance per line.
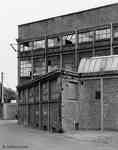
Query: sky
x=16, y=12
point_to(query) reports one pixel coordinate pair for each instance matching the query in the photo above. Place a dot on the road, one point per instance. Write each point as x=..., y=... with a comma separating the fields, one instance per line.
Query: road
x=15, y=137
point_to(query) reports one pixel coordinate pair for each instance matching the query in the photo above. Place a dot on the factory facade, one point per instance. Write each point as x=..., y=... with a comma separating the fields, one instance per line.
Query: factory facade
x=68, y=71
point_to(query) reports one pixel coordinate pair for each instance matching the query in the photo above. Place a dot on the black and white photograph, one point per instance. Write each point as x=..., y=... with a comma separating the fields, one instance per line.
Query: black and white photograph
x=59, y=75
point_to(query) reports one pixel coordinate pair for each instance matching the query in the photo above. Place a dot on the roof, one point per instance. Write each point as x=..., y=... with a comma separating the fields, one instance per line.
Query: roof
x=98, y=64
x=47, y=76
x=69, y=14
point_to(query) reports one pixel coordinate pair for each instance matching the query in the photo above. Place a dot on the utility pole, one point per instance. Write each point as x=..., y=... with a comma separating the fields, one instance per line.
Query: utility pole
x=2, y=90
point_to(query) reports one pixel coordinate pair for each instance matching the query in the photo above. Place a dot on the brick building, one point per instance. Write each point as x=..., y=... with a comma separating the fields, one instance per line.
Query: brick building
x=68, y=71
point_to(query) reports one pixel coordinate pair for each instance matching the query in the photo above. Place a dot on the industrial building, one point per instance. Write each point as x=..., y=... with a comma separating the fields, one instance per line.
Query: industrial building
x=68, y=71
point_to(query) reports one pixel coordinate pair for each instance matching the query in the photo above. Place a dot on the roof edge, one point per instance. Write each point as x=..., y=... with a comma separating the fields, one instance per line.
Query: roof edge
x=69, y=14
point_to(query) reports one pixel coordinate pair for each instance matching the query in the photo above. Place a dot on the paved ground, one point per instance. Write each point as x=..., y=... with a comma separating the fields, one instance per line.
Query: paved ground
x=13, y=137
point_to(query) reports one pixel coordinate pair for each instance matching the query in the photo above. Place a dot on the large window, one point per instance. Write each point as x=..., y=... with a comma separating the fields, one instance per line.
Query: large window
x=102, y=34
x=39, y=44
x=69, y=39
x=39, y=66
x=27, y=46
x=25, y=68
x=53, y=42
x=85, y=37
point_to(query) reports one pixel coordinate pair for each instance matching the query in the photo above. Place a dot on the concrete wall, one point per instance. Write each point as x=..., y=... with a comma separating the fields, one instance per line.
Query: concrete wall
x=9, y=110
x=79, y=105
x=89, y=106
x=111, y=104
x=80, y=20
x=1, y=111
x=69, y=105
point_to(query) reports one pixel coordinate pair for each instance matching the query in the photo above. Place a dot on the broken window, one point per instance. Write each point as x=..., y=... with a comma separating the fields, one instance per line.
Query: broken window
x=25, y=68
x=97, y=95
x=102, y=34
x=86, y=37
x=69, y=39
x=53, y=42
x=49, y=62
x=39, y=44
x=21, y=48
x=26, y=46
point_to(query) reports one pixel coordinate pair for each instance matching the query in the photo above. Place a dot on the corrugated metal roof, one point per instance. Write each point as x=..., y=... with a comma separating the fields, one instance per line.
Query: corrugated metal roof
x=98, y=64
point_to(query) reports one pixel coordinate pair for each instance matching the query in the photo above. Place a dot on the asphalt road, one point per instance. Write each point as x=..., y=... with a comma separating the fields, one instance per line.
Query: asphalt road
x=15, y=137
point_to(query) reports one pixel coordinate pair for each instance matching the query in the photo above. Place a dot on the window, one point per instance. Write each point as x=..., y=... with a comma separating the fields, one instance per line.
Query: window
x=25, y=68
x=26, y=46
x=69, y=39
x=103, y=34
x=116, y=32
x=39, y=44
x=31, y=95
x=49, y=62
x=85, y=37
x=97, y=95
x=39, y=66
x=21, y=48
x=53, y=42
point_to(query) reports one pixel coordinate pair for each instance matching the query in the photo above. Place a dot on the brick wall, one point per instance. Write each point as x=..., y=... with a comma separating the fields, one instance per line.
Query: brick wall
x=85, y=19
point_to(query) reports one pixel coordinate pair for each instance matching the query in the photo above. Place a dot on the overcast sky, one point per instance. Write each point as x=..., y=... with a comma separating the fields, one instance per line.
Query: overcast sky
x=15, y=12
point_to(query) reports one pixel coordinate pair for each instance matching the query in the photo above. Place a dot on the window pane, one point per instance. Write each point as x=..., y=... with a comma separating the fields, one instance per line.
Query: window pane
x=103, y=34
x=26, y=46
x=85, y=37
x=116, y=32
x=25, y=68
x=39, y=66
x=53, y=42
x=39, y=44
x=69, y=39
x=21, y=47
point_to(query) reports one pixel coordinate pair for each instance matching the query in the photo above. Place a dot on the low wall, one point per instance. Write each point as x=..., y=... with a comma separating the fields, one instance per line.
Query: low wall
x=9, y=111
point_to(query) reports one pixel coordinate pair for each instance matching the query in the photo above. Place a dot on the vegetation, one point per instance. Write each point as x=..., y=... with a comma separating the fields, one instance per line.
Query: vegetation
x=9, y=94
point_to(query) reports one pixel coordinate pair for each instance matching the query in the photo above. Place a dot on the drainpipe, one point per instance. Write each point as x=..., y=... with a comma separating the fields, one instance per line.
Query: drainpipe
x=111, y=40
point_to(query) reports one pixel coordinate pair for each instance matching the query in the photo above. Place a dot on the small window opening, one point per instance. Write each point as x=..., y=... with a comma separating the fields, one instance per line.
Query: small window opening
x=97, y=95
x=49, y=62
x=82, y=82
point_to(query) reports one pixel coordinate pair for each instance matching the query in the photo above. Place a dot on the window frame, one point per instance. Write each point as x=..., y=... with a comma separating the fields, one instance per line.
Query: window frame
x=85, y=37
x=102, y=34
x=25, y=68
